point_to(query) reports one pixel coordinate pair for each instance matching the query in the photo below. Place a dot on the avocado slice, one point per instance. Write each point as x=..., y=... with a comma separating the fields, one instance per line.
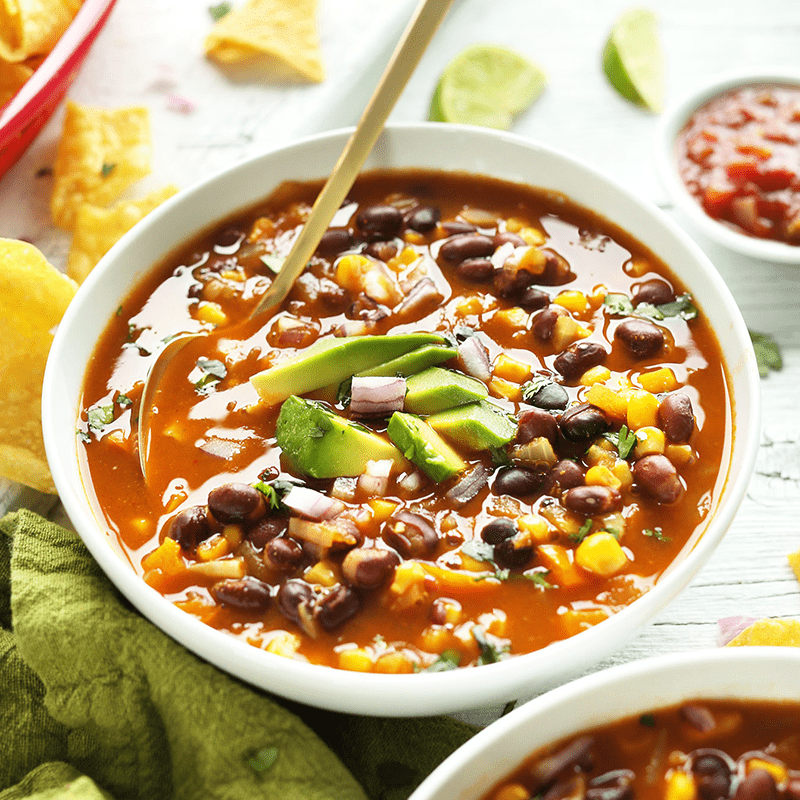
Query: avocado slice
x=421, y=445
x=411, y=363
x=331, y=360
x=322, y=444
x=436, y=389
x=475, y=426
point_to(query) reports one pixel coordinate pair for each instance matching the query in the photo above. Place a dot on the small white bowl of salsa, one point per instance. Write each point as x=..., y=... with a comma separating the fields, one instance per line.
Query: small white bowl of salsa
x=727, y=154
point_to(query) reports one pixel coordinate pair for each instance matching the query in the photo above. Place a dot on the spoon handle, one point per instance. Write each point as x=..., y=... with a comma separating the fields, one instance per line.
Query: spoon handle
x=406, y=56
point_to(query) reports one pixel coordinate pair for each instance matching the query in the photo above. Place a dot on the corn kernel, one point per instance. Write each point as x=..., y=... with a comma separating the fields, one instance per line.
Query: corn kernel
x=681, y=455
x=435, y=639
x=566, y=331
x=510, y=369
x=357, y=659
x=575, y=621
x=211, y=313
x=680, y=786
x=557, y=560
x=534, y=528
x=642, y=410
x=660, y=380
x=408, y=585
x=601, y=554
x=622, y=470
x=413, y=237
x=494, y=622
x=357, y=273
x=602, y=476
x=514, y=318
x=533, y=260
x=649, y=441
x=394, y=663
x=778, y=771
x=283, y=644
x=512, y=791
x=234, y=535
x=216, y=546
x=594, y=375
x=321, y=573
x=381, y=509
x=613, y=403
x=263, y=228
x=503, y=388
x=233, y=275
x=453, y=613
x=407, y=256
x=573, y=301
x=598, y=295
x=515, y=224
x=532, y=236
x=469, y=306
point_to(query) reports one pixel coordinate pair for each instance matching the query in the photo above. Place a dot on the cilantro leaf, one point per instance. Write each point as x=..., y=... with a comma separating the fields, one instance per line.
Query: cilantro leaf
x=213, y=372
x=656, y=533
x=585, y=530
x=100, y=416
x=107, y=169
x=647, y=720
x=681, y=306
x=539, y=579
x=263, y=759
x=500, y=457
x=619, y=304
x=534, y=385
x=626, y=441
x=218, y=12
x=768, y=354
x=479, y=550
x=123, y=400
x=449, y=659
x=490, y=652
x=271, y=493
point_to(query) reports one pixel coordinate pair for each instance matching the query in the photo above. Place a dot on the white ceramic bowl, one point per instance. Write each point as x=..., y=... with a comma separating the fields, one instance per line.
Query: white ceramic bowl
x=744, y=673
x=670, y=125
x=426, y=146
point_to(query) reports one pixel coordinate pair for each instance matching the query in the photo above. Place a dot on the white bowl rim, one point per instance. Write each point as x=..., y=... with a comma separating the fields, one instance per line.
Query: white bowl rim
x=422, y=693
x=669, y=126
x=680, y=671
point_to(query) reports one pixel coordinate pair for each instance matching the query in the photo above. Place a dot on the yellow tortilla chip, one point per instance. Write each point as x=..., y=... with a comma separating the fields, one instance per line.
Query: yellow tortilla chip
x=32, y=27
x=12, y=79
x=769, y=632
x=97, y=229
x=33, y=298
x=794, y=563
x=101, y=153
x=282, y=32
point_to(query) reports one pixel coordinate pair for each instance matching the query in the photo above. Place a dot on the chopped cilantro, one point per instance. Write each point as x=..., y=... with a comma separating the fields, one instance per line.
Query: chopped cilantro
x=768, y=354
x=272, y=262
x=218, y=12
x=119, y=311
x=100, y=416
x=263, y=759
x=534, y=385
x=343, y=393
x=626, y=440
x=213, y=372
x=648, y=720
x=656, y=533
x=449, y=659
x=272, y=495
x=479, y=550
x=585, y=530
x=123, y=400
x=490, y=652
x=500, y=457
x=84, y=436
x=107, y=169
x=538, y=578
x=621, y=305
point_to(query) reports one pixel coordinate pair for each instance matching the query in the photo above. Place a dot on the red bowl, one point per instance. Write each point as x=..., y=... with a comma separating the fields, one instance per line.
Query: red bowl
x=26, y=113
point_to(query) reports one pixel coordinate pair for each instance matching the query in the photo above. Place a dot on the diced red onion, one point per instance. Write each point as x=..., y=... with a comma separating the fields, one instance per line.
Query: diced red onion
x=354, y=327
x=474, y=358
x=375, y=480
x=411, y=482
x=377, y=397
x=312, y=504
x=730, y=627
x=182, y=104
x=344, y=488
x=422, y=296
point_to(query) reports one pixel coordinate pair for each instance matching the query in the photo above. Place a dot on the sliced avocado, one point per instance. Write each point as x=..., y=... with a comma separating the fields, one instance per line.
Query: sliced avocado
x=411, y=363
x=476, y=426
x=322, y=444
x=421, y=445
x=436, y=389
x=331, y=360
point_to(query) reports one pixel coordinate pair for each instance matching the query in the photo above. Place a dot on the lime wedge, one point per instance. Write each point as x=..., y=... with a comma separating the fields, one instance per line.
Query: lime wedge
x=633, y=61
x=486, y=85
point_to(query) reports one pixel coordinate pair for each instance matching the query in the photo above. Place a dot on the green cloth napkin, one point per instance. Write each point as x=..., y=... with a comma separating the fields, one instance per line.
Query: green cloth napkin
x=95, y=702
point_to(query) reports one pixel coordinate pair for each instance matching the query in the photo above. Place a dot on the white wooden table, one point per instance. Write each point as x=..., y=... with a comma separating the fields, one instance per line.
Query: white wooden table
x=151, y=49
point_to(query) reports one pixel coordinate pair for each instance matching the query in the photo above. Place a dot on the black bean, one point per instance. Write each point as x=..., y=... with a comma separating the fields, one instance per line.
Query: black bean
x=579, y=357
x=455, y=226
x=551, y=397
x=469, y=486
x=654, y=291
x=556, y=271
x=411, y=535
x=517, y=481
x=292, y=595
x=676, y=417
x=512, y=284
x=336, y=607
x=699, y=717
x=504, y=237
x=245, y=594
x=534, y=423
x=641, y=337
x=381, y=251
x=656, y=476
x=592, y=500
x=369, y=567
x=190, y=527
x=566, y=474
x=498, y=530
x=543, y=324
x=577, y=752
x=379, y=222
x=265, y=529
x=532, y=299
x=366, y=309
x=758, y=784
x=332, y=295
x=283, y=554
x=334, y=241
x=465, y=245
x=712, y=774
x=423, y=219
x=477, y=270
x=507, y=556
x=236, y=502
x=438, y=612
x=583, y=422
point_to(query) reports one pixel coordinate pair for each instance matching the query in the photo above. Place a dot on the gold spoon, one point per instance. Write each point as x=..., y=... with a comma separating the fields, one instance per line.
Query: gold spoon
x=406, y=56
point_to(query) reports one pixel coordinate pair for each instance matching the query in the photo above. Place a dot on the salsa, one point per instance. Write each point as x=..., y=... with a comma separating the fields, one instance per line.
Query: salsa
x=701, y=750
x=484, y=420
x=738, y=156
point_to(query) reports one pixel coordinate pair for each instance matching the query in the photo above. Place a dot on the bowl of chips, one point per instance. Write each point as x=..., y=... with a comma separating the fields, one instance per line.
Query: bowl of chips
x=357, y=682
x=637, y=730
x=42, y=48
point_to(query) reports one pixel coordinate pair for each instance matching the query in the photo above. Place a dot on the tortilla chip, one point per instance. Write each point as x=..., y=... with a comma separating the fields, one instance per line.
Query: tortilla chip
x=97, y=229
x=770, y=633
x=12, y=79
x=101, y=153
x=794, y=563
x=32, y=27
x=283, y=31
x=33, y=298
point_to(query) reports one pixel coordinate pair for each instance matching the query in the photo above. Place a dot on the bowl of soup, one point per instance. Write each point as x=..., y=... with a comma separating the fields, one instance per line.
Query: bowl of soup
x=717, y=723
x=727, y=155
x=493, y=429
